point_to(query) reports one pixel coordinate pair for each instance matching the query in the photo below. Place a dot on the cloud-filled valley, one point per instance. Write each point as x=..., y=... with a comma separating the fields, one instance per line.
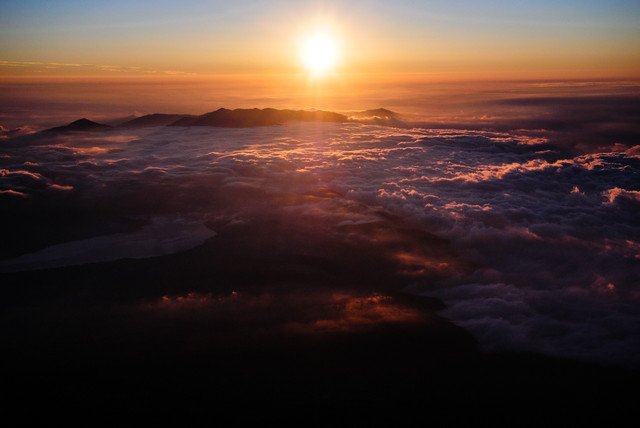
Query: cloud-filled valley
x=531, y=246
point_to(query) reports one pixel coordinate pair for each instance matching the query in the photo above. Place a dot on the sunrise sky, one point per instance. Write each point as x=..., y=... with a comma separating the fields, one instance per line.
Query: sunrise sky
x=366, y=212
x=492, y=39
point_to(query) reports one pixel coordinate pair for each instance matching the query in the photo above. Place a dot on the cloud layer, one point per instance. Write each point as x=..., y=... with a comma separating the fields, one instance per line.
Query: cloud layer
x=530, y=246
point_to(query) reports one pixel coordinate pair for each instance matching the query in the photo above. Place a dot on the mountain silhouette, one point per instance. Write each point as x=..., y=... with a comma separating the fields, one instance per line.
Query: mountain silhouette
x=381, y=113
x=155, y=119
x=239, y=118
x=378, y=116
x=80, y=125
x=246, y=118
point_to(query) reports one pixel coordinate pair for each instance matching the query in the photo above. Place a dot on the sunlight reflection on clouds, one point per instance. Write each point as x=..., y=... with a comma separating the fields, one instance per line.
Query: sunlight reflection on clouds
x=506, y=202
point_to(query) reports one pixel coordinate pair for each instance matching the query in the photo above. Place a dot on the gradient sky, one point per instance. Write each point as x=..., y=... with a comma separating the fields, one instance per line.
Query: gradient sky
x=573, y=38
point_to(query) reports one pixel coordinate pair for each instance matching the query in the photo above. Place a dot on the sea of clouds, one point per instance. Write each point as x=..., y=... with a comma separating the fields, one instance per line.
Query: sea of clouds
x=543, y=243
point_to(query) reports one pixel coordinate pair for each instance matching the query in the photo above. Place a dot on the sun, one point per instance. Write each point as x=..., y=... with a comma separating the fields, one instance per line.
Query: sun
x=320, y=53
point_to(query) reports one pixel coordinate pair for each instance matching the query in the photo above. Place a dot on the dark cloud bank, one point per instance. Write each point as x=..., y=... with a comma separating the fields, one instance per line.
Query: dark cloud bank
x=338, y=268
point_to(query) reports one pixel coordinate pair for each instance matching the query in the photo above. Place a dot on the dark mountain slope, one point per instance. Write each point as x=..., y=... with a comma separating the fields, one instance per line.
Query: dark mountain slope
x=246, y=118
x=80, y=125
x=156, y=119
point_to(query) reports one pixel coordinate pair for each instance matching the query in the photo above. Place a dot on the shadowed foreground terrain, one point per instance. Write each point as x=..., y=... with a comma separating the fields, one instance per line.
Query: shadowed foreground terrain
x=272, y=335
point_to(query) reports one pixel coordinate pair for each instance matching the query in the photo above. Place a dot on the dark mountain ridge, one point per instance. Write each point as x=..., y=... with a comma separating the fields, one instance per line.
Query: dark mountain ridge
x=247, y=118
x=237, y=118
x=80, y=125
x=378, y=116
x=381, y=113
x=155, y=119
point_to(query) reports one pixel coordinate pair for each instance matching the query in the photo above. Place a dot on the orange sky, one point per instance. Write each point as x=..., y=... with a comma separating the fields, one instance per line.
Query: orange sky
x=445, y=40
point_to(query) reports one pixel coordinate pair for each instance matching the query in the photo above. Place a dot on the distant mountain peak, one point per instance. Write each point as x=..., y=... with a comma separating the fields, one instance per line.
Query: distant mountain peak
x=240, y=118
x=248, y=118
x=80, y=125
x=83, y=122
x=381, y=113
x=378, y=116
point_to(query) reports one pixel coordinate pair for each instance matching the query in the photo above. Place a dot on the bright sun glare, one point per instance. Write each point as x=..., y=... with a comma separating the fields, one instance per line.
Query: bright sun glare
x=320, y=53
